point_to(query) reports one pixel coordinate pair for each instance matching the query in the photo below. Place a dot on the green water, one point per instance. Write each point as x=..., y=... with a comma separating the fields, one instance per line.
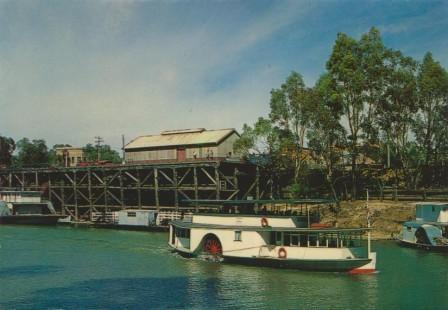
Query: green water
x=79, y=268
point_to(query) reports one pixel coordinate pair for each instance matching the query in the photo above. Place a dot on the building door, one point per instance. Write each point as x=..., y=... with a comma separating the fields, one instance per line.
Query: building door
x=181, y=154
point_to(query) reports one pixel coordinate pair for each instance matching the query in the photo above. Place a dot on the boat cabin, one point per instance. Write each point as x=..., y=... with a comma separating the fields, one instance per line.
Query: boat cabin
x=431, y=212
x=430, y=228
x=20, y=196
x=136, y=217
x=32, y=208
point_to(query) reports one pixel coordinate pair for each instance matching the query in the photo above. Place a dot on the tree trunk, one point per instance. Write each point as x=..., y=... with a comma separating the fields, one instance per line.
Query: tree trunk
x=354, y=179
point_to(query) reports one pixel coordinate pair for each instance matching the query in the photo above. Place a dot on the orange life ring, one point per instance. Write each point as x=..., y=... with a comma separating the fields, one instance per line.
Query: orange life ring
x=264, y=222
x=282, y=253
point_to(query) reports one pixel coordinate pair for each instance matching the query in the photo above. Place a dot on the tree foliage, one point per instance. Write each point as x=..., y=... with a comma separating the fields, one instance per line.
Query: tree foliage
x=105, y=152
x=291, y=108
x=32, y=153
x=374, y=105
x=7, y=147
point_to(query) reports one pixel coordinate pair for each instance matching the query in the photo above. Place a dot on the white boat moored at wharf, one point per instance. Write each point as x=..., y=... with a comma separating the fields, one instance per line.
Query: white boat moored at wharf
x=429, y=231
x=26, y=207
x=289, y=239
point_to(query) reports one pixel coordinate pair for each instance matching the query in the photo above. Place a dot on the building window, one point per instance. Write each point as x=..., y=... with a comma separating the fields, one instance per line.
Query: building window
x=132, y=214
x=238, y=235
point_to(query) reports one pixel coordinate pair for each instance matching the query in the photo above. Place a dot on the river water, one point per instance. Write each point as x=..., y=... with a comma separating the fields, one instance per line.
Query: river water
x=79, y=268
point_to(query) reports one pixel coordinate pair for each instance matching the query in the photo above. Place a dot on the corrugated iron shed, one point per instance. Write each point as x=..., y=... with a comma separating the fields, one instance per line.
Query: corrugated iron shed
x=183, y=137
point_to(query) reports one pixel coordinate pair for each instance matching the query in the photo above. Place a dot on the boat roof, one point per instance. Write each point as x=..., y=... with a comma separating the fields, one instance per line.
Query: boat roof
x=20, y=192
x=182, y=224
x=435, y=203
x=417, y=224
x=221, y=202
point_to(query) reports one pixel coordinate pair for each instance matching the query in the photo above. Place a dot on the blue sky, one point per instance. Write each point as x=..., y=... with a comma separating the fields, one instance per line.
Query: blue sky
x=72, y=70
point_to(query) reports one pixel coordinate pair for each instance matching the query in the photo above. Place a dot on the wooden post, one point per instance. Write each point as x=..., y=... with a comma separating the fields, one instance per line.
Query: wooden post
x=176, y=192
x=49, y=188
x=196, y=192
x=235, y=179
x=156, y=187
x=75, y=195
x=63, y=195
x=36, y=181
x=257, y=187
x=120, y=178
x=23, y=181
x=218, y=185
x=139, y=190
x=105, y=190
x=89, y=188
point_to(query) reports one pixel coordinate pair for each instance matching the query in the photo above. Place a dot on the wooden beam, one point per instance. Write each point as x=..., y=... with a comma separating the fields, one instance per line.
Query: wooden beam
x=208, y=175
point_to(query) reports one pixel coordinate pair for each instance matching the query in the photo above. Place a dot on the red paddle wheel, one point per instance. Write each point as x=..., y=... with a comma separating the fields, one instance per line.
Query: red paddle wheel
x=212, y=246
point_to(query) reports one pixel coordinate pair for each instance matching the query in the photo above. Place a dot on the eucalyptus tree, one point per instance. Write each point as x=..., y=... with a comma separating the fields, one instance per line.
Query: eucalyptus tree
x=372, y=53
x=326, y=137
x=441, y=145
x=432, y=82
x=396, y=112
x=348, y=81
x=433, y=93
x=291, y=106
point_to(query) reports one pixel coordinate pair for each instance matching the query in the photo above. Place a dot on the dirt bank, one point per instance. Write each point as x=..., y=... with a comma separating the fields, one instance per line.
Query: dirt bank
x=387, y=216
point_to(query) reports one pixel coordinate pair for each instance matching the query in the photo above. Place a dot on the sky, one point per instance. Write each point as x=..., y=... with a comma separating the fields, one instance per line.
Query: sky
x=73, y=70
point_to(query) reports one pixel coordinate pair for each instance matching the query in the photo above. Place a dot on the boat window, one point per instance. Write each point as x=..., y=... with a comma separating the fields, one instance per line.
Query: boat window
x=323, y=241
x=312, y=240
x=409, y=228
x=278, y=238
x=272, y=238
x=287, y=239
x=303, y=240
x=333, y=241
x=295, y=240
x=132, y=214
x=182, y=233
x=238, y=235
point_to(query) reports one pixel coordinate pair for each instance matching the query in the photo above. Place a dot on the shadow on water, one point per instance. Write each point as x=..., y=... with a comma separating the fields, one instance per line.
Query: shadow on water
x=28, y=271
x=121, y=293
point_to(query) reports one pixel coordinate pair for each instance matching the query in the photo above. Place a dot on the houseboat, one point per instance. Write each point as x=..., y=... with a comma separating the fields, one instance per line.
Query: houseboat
x=429, y=231
x=137, y=219
x=288, y=235
x=26, y=207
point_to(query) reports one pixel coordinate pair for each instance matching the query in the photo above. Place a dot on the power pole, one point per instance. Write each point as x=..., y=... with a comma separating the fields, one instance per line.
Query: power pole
x=98, y=141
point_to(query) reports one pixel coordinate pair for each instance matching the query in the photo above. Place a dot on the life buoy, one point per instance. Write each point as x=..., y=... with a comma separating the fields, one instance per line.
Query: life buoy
x=264, y=222
x=282, y=253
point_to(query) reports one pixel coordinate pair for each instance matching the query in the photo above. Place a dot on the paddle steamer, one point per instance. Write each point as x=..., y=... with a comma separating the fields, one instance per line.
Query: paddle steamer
x=286, y=236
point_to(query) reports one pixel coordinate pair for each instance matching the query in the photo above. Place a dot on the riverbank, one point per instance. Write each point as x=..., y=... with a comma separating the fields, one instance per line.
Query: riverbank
x=387, y=216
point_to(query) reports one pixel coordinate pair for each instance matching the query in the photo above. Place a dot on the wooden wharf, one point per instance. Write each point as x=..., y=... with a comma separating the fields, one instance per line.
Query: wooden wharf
x=82, y=191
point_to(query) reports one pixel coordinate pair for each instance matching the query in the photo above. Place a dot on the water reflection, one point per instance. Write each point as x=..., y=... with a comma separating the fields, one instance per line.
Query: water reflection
x=272, y=288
